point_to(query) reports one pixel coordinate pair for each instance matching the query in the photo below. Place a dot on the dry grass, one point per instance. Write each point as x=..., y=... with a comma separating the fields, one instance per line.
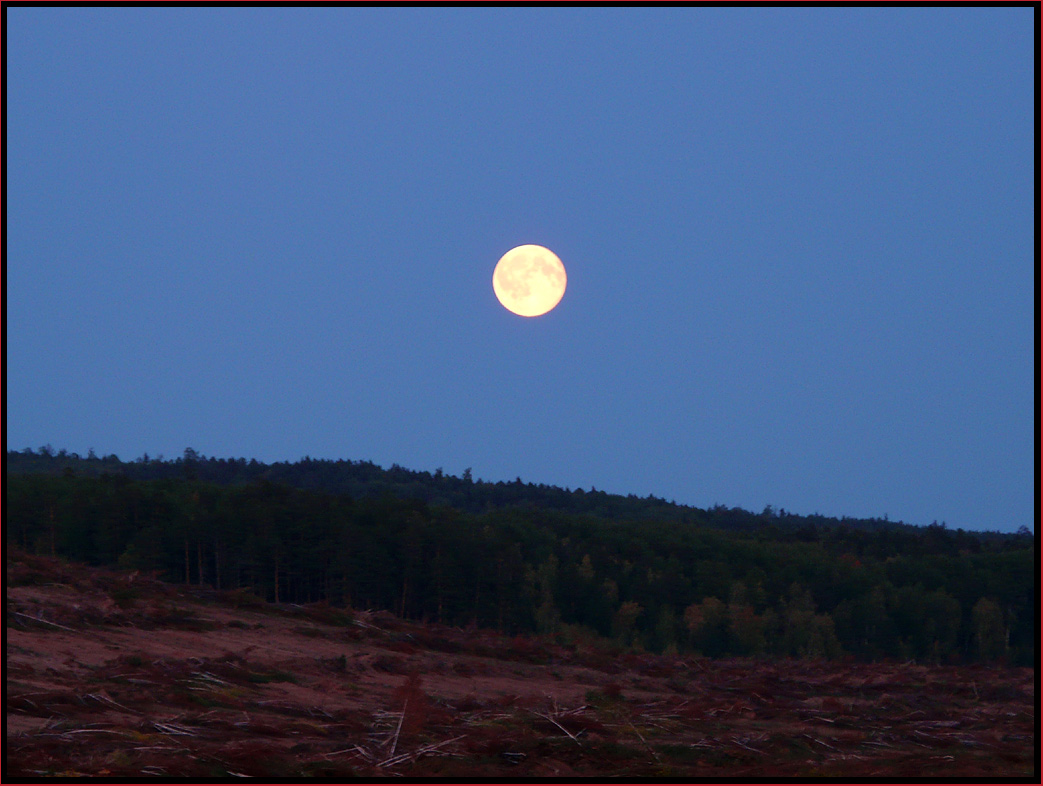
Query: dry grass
x=113, y=676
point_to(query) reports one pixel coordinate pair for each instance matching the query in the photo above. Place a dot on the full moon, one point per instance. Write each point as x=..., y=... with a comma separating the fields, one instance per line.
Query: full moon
x=529, y=280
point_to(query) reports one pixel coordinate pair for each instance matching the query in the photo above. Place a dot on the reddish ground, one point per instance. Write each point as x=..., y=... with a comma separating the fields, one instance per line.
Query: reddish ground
x=119, y=675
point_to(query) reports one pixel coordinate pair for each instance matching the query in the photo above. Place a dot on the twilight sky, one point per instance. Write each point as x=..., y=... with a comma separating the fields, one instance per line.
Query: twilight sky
x=799, y=244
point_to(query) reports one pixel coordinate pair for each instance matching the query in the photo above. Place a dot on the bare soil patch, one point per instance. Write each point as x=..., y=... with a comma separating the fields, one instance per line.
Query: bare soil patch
x=119, y=675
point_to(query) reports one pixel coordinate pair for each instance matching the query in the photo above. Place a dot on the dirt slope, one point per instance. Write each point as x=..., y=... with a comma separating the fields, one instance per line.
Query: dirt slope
x=119, y=675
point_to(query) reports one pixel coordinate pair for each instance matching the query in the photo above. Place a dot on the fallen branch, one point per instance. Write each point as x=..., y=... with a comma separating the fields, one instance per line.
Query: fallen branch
x=362, y=624
x=569, y=733
x=641, y=737
x=353, y=749
x=106, y=700
x=820, y=742
x=170, y=728
x=418, y=753
x=399, y=729
x=747, y=747
x=43, y=621
x=86, y=731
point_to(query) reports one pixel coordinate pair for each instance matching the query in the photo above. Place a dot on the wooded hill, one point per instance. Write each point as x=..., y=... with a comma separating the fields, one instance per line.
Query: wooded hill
x=525, y=558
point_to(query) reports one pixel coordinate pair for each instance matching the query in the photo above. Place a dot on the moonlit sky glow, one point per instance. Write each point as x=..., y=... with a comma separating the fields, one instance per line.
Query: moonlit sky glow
x=799, y=241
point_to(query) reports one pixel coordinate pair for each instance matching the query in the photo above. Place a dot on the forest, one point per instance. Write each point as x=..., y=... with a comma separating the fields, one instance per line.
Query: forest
x=521, y=558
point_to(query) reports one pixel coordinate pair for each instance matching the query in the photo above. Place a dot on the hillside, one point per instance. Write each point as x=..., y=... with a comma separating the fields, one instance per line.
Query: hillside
x=679, y=583
x=113, y=674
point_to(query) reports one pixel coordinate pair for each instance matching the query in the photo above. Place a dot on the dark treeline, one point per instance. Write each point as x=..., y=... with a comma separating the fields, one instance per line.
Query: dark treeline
x=364, y=479
x=525, y=558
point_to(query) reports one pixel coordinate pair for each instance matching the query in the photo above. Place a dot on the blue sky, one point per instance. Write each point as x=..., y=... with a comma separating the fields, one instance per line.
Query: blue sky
x=799, y=244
